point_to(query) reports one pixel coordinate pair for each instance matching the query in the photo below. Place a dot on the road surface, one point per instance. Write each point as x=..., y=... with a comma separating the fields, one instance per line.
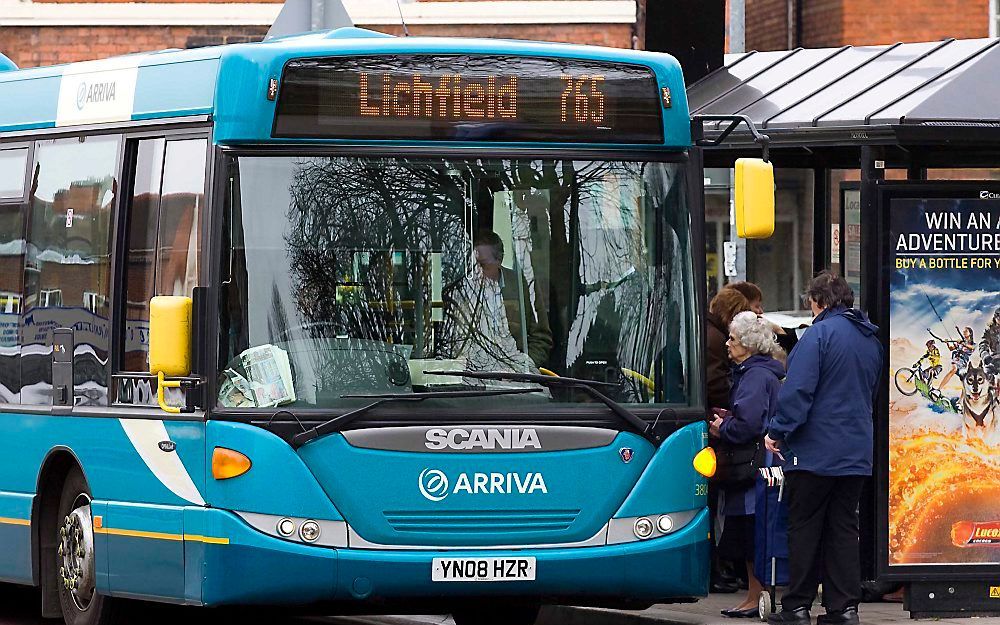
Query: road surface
x=20, y=606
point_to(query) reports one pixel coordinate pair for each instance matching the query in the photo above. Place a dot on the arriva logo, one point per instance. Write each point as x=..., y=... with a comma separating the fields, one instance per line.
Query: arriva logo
x=434, y=484
x=482, y=438
x=94, y=92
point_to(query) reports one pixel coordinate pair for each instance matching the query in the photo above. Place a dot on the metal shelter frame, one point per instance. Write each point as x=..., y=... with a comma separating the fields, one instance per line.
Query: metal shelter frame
x=911, y=107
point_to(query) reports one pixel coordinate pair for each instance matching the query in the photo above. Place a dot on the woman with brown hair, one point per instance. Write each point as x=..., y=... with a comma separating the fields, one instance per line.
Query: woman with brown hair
x=721, y=311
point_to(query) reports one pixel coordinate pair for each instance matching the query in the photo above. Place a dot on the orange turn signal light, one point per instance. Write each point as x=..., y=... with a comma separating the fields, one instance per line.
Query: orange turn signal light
x=705, y=462
x=228, y=463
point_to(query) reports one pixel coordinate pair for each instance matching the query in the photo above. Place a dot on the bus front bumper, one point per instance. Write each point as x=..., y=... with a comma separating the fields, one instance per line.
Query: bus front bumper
x=253, y=568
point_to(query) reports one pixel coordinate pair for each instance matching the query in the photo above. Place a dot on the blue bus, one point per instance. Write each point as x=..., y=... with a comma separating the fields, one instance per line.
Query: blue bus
x=369, y=323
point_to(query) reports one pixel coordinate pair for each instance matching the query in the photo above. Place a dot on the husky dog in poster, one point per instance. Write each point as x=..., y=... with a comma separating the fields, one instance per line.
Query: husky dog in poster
x=989, y=348
x=978, y=402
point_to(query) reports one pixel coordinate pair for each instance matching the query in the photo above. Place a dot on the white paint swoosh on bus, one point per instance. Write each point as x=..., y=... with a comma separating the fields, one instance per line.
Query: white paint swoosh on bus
x=146, y=435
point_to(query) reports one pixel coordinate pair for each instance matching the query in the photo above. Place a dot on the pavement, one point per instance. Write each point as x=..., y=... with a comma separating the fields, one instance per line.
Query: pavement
x=706, y=612
x=19, y=606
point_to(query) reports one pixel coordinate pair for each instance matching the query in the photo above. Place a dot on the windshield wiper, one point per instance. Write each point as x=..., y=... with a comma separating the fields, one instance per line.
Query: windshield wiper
x=587, y=386
x=340, y=422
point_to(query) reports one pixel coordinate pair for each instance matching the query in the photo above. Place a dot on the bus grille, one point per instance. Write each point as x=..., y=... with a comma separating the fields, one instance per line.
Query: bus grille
x=479, y=521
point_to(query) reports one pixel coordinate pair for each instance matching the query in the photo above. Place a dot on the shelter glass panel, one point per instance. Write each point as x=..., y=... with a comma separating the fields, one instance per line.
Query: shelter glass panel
x=782, y=264
x=964, y=174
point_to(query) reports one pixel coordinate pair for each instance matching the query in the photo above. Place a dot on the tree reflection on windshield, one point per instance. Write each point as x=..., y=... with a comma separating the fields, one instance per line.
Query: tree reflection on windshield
x=369, y=274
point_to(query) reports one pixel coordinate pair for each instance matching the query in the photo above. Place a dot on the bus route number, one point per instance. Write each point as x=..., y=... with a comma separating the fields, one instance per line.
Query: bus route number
x=582, y=100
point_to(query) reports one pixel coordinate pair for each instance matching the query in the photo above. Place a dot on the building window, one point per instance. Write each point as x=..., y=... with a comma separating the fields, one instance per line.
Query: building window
x=994, y=18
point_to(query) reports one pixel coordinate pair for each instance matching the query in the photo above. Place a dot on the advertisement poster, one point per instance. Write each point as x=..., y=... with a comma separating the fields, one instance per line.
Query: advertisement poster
x=944, y=365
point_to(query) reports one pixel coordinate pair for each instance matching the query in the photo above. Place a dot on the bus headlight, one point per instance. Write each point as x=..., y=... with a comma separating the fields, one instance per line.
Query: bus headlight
x=665, y=524
x=286, y=527
x=643, y=528
x=309, y=531
x=631, y=529
x=317, y=532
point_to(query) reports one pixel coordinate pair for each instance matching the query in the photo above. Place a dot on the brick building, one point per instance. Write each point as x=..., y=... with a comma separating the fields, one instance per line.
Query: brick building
x=46, y=32
x=786, y=24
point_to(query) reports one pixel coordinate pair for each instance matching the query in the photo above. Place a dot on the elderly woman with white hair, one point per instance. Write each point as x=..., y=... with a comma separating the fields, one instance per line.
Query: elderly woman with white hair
x=757, y=374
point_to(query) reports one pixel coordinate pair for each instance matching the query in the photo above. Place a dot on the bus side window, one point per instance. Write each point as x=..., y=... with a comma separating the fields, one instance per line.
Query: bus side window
x=12, y=172
x=67, y=265
x=163, y=234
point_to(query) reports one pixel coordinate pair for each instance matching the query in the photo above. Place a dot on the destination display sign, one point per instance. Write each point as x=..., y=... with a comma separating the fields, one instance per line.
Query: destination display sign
x=469, y=98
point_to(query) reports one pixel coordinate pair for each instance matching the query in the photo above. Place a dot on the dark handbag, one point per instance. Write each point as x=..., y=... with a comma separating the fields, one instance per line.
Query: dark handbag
x=738, y=464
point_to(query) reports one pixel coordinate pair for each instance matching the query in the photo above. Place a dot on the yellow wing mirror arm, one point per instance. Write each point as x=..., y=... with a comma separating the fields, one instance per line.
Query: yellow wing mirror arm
x=162, y=383
x=753, y=206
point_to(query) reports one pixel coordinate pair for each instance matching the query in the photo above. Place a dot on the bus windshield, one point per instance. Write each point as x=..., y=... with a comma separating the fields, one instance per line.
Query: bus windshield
x=346, y=276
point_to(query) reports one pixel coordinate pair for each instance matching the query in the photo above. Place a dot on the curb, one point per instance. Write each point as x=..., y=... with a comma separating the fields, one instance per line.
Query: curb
x=568, y=615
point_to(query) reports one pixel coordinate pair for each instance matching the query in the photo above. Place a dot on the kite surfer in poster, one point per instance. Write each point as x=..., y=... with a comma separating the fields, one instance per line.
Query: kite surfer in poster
x=961, y=354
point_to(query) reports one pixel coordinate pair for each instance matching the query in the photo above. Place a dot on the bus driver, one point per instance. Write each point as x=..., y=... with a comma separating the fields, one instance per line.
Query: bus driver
x=494, y=300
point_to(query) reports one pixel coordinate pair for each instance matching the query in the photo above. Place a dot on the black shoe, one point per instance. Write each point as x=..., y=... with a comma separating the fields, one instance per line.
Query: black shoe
x=798, y=616
x=847, y=616
x=719, y=586
x=747, y=613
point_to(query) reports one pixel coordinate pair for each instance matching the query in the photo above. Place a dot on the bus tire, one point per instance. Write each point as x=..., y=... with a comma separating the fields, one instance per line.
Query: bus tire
x=497, y=615
x=74, y=557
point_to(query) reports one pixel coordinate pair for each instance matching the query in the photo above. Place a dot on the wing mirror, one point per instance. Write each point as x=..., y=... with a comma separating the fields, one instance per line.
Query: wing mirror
x=754, y=209
x=169, y=343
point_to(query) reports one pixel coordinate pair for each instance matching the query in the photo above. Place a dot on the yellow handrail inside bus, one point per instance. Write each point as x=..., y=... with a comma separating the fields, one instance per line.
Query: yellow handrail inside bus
x=638, y=377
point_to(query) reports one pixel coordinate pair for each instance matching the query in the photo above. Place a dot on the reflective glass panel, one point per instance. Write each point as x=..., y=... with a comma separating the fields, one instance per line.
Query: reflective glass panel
x=67, y=265
x=12, y=164
x=349, y=276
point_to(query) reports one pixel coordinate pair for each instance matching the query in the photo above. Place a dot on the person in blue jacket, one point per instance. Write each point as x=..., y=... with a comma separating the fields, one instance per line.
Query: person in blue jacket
x=823, y=431
x=757, y=372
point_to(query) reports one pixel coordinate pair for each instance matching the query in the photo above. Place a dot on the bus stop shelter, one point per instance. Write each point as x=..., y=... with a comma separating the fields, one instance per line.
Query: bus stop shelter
x=903, y=145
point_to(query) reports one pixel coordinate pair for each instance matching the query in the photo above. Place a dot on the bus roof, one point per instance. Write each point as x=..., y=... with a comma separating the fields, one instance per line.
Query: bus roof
x=230, y=83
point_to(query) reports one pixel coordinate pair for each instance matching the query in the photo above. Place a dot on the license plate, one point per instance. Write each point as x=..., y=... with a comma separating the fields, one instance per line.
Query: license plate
x=482, y=569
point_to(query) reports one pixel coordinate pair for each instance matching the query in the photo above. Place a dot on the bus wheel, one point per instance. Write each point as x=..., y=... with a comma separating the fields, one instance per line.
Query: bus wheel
x=497, y=615
x=76, y=579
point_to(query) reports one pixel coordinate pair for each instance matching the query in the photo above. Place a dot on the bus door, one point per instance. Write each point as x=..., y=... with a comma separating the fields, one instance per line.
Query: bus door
x=161, y=256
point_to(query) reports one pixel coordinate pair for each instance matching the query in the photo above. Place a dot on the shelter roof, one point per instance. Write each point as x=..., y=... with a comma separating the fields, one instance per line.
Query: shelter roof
x=814, y=92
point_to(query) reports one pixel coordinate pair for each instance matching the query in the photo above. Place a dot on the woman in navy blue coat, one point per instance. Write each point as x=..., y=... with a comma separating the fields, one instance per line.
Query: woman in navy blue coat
x=757, y=374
